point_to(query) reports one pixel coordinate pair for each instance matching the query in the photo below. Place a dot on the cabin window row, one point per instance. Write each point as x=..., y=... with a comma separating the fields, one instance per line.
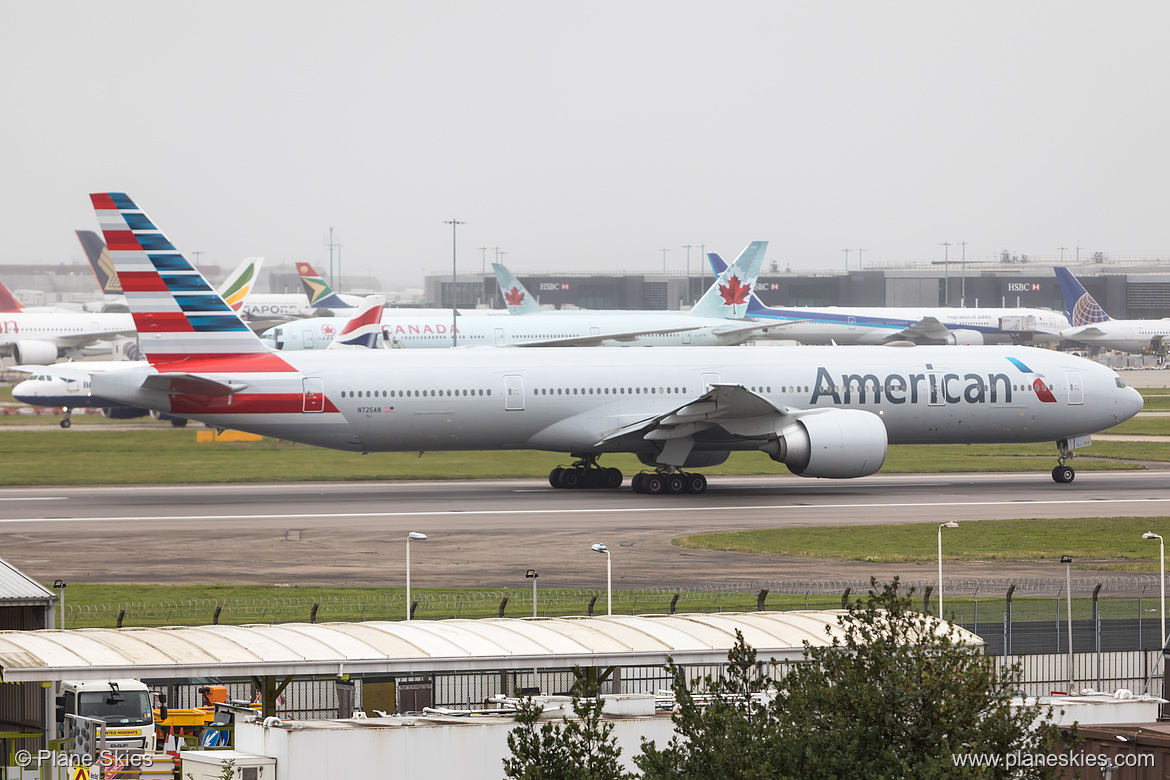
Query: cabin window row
x=411, y=393
x=607, y=390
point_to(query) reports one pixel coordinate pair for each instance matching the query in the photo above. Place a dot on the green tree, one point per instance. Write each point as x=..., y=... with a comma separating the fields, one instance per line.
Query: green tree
x=580, y=748
x=895, y=694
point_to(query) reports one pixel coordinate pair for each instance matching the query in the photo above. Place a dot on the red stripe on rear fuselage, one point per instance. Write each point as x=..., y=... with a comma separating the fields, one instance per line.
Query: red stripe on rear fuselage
x=243, y=403
x=229, y=363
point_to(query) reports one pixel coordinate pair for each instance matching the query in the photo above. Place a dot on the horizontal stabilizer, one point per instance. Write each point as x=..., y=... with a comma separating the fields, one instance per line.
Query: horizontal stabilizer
x=191, y=384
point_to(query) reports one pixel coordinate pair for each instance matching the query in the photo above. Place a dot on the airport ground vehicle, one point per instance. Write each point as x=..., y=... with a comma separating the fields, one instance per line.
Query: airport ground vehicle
x=124, y=705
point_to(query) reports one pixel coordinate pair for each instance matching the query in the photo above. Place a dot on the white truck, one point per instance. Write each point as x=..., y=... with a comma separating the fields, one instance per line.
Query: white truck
x=124, y=705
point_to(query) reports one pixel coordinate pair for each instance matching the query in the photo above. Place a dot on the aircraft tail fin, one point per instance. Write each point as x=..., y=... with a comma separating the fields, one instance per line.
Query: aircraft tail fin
x=1079, y=306
x=99, y=260
x=320, y=294
x=240, y=282
x=181, y=319
x=364, y=326
x=728, y=297
x=516, y=297
x=8, y=302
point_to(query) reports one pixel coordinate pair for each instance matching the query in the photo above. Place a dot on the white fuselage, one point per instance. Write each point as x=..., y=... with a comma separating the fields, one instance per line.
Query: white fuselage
x=69, y=332
x=569, y=400
x=1137, y=336
x=425, y=332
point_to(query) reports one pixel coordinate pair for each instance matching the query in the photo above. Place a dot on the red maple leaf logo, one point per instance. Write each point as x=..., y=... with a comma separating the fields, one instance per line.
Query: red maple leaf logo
x=514, y=297
x=734, y=292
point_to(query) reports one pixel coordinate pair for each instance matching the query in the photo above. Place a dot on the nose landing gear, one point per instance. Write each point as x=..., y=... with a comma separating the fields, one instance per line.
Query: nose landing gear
x=1064, y=473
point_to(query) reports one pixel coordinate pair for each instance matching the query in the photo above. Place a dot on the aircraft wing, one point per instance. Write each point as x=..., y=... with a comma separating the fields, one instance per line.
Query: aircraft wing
x=1092, y=331
x=596, y=339
x=93, y=337
x=191, y=384
x=733, y=408
x=926, y=329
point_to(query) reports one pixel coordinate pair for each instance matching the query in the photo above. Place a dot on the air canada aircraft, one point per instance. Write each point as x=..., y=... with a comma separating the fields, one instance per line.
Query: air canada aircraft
x=822, y=411
x=714, y=321
x=883, y=325
x=1092, y=326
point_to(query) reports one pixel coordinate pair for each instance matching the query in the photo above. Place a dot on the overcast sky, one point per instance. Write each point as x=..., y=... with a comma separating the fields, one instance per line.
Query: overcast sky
x=588, y=136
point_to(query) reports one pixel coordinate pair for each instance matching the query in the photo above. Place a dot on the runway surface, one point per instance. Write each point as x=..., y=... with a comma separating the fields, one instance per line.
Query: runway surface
x=487, y=533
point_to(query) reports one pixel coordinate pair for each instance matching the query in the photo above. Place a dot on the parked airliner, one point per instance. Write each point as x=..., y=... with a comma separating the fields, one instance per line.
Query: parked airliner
x=881, y=325
x=822, y=411
x=716, y=320
x=1092, y=326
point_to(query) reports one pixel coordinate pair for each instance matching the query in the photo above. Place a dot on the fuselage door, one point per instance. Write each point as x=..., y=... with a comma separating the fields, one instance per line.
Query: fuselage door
x=1076, y=391
x=852, y=323
x=307, y=338
x=499, y=336
x=313, y=401
x=514, y=393
x=936, y=393
x=708, y=380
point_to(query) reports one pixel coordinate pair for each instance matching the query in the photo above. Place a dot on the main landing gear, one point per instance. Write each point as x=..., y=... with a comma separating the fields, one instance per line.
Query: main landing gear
x=668, y=480
x=1064, y=473
x=585, y=474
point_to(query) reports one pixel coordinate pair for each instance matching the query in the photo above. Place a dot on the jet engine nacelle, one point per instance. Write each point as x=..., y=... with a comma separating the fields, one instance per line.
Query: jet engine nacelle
x=40, y=353
x=835, y=443
x=962, y=336
x=123, y=412
x=695, y=460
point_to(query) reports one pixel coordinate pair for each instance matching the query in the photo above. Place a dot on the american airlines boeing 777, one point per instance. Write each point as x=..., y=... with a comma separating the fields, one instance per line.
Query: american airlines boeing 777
x=822, y=411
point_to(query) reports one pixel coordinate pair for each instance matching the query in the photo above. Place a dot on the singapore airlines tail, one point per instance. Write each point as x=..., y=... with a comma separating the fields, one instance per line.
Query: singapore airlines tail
x=516, y=296
x=321, y=295
x=99, y=260
x=1079, y=306
x=364, y=327
x=182, y=322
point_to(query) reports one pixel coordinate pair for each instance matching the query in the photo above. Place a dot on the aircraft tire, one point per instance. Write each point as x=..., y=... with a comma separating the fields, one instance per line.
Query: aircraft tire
x=1063, y=474
x=591, y=479
x=179, y=422
x=675, y=484
x=66, y=423
x=637, y=481
x=612, y=479
x=696, y=483
x=654, y=484
x=554, y=477
x=570, y=479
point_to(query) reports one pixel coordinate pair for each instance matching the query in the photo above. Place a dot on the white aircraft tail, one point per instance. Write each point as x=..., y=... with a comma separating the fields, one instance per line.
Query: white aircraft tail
x=729, y=296
x=516, y=298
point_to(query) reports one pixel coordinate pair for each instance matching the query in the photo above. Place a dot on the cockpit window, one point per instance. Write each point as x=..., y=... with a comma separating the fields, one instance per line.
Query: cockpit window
x=1120, y=382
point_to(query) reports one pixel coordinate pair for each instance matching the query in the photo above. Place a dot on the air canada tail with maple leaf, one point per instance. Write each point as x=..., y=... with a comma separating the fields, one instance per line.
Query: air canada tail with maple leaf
x=516, y=297
x=728, y=296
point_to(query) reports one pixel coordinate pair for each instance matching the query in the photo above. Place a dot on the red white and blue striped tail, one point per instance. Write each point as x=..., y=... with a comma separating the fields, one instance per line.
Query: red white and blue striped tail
x=364, y=328
x=179, y=316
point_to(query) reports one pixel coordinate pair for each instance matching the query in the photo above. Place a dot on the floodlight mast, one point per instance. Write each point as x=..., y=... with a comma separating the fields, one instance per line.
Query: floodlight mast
x=416, y=536
x=601, y=548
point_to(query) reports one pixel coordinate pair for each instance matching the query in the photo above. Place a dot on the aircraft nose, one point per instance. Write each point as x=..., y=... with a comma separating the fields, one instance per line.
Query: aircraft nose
x=21, y=392
x=1133, y=402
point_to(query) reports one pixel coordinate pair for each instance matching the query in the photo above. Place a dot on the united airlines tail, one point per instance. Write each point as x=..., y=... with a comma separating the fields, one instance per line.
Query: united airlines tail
x=729, y=296
x=99, y=260
x=516, y=297
x=321, y=295
x=364, y=327
x=182, y=322
x=1079, y=306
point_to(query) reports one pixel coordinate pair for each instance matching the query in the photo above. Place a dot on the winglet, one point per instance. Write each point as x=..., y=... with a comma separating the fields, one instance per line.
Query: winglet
x=320, y=294
x=180, y=319
x=728, y=297
x=516, y=297
x=1079, y=306
x=364, y=327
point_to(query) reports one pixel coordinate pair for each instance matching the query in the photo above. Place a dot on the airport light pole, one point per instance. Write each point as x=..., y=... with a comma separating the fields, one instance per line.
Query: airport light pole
x=416, y=536
x=532, y=574
x=1067, y=561
x=59, y=586
x=846, y=251
x=664, y=250
x=483, y=273
x=947, y=272
x=948, y=524
x=688, y=248
x=1161, y=578
x=601, y=548
x=859, y=251
x=454, y=223
x=963, y=286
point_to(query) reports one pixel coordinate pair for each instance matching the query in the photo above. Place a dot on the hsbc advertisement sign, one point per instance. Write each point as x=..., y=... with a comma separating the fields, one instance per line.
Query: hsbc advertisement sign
x=1022, y=287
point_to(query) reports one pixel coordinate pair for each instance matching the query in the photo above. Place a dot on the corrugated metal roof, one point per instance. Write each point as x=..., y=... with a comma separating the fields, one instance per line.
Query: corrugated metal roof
x=17, y=588
x=407, y=647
